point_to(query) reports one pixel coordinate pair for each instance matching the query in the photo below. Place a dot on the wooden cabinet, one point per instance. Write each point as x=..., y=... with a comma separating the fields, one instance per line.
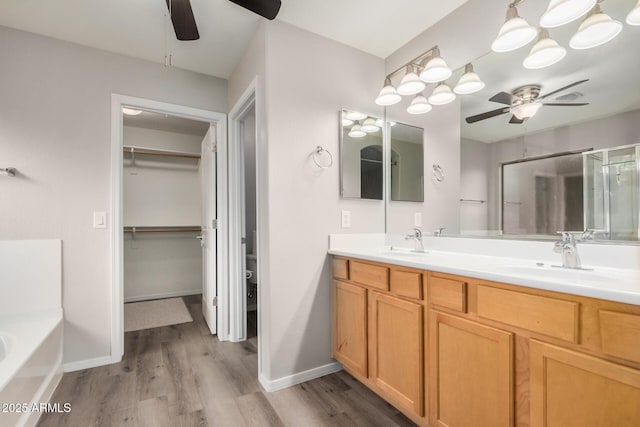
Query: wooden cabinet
x=471, y=366
x=350, y=326
x=395, y=350
x=569, y=388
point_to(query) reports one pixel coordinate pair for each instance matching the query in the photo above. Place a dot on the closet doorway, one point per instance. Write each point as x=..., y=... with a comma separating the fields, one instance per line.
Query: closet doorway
x=167, y=240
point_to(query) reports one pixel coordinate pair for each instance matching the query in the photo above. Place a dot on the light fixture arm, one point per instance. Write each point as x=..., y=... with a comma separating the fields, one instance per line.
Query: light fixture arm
x=418, y=63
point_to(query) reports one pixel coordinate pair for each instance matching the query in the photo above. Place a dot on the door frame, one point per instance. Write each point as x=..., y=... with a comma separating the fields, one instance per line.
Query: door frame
x=117, y=254
x=237, y=280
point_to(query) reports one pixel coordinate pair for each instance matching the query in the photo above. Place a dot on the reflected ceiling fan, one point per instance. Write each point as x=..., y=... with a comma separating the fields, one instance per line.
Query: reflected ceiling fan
x=523, y=103
x=184, y=23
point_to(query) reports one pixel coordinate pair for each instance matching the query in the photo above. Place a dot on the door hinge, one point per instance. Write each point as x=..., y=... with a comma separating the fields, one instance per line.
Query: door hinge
x=215, y=301
x=243, y=240
x=214, y=224
x=214, y=148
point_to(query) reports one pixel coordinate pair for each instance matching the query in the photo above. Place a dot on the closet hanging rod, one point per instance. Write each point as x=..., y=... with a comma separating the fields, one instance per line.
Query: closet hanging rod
x=157, y=152
x=162, y=229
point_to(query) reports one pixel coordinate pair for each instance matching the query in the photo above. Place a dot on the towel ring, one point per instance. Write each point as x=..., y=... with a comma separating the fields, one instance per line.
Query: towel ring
x=9, y=171
x=316, y=155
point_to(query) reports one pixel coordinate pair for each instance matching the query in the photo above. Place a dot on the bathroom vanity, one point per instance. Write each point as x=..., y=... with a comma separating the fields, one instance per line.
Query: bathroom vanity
x=463, y=350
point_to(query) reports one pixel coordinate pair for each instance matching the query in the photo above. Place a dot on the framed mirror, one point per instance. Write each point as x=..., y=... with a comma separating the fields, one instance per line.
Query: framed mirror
x=361, y=156
x=586, y=101
x=407, y=162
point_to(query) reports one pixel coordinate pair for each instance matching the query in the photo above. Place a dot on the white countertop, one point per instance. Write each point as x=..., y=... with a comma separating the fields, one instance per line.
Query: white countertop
x=613, y=284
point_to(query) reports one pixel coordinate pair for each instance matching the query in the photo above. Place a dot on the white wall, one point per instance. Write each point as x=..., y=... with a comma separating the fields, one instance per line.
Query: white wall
x=55, y=129
x=303, y=201
x=161, y=191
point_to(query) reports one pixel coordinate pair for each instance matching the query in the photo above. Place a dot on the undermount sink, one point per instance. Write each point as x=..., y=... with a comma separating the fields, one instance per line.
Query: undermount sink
x=403, y=252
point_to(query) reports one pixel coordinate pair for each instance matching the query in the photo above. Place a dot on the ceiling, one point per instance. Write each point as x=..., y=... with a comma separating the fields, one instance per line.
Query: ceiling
x=611, y=70
x=141, y=28
x=167, y=123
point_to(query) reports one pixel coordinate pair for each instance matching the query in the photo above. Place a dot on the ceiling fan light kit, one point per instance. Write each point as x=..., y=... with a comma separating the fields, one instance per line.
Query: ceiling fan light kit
x=469, y=82
x=419, y=105
x=526, y=110
x=514, y=33
x=544, y=53
x=597, y=29
x=561, y=12
x=633, y=18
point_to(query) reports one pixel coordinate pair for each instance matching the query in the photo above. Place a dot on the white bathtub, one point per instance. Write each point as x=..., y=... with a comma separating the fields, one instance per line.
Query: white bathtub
x=30, y=366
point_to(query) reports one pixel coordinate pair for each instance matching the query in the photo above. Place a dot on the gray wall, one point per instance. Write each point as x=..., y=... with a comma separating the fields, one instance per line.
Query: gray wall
x=302, y=97
x=475, y=164
x=55, y=129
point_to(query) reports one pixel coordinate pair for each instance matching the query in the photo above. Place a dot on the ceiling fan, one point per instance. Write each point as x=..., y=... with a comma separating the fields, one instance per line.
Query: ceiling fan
x=523, y=103
x=184, y=23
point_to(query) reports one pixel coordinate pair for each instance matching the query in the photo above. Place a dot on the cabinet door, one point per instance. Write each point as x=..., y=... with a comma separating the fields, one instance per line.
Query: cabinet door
x=350, y=326
x=470, y=369
x=395, y=350
x=573, y=389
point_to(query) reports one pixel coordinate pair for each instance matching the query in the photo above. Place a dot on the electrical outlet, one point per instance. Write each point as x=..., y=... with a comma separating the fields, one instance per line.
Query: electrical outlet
x=417, y=219
x=346, y=219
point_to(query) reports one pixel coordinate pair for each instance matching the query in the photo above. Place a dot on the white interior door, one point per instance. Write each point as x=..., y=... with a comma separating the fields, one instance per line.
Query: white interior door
x=208, y=238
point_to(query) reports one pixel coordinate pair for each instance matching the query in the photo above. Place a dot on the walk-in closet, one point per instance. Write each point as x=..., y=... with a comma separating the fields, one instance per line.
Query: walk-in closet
x=162, y=216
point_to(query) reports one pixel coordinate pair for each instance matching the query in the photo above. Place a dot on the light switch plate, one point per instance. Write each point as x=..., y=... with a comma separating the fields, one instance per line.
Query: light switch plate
x=99, y=220
x=417, y=219
x=346, y=219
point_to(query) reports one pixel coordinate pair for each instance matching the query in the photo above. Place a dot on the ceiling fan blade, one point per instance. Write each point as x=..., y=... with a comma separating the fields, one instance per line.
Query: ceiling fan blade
x=502, y=98
x=565, y=104
x=564, y=88
x=487, y=115
x=266, y=8
x=516, y=121
x=183, y=20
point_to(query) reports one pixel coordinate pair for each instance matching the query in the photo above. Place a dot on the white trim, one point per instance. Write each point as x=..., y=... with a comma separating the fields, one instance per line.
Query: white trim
x=163, y=295
x=89, y=363
x=237, y=281
x=117, y=261
x=300, y=377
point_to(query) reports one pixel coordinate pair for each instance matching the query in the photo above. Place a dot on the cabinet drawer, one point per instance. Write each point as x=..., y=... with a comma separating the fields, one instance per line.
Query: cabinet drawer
x=406, y=283
x=620, y=334
x=370, y=275
x=340, y=268
x=448, y=293
x=549, y=316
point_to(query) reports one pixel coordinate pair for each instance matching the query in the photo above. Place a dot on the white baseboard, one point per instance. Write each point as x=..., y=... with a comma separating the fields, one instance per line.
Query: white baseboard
x=87, y=364
x=163, y=295
x=300, y=377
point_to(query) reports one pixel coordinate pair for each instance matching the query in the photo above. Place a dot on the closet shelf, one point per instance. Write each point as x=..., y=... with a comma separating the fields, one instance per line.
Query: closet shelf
x=160, y=229
x=156, y=152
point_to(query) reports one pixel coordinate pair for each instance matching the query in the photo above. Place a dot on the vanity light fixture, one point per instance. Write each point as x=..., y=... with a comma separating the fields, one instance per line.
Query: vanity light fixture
x=355, y=116
x=514, y=33
x=419, y=105
x=357, y=132
x=560, y=12
x=131, y=111
x=411, y=83
x=544, y=53
x=469, y=82
x=633, y=18
x=442, y=95
x=597, y=29
x=346, y=122
x=369, y=126
x=526, y=110
x=436, y=69
x=388, y=95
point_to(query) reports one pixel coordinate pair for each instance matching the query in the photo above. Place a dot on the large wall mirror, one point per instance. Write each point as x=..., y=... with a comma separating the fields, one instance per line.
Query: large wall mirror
x=361, y=156
x=515, y=175
x=407, y=162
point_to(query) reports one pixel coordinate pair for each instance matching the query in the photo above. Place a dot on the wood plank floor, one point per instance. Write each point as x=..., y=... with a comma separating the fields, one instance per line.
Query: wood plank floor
x=181, y=375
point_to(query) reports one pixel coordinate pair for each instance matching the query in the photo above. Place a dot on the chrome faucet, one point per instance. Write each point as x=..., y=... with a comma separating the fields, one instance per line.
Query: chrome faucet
x=417, y=238
x=569, y=249
x=438, y=231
